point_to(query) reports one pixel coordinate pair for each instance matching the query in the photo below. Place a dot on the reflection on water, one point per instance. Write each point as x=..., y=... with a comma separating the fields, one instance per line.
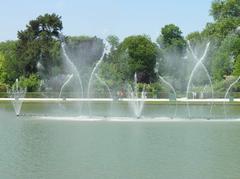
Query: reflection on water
x=70, y=149
x=121, y=109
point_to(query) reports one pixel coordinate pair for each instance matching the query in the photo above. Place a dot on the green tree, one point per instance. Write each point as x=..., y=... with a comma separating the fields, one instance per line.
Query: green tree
x=173, y=46
x=226, y=15
x=114, y=71
x=220, y=29
x=171, y=38
x=3, y=73
x=142, y=57
x=225, y=57
x=32, y=83
x=113, y=40
x=38, y=43
x=195, y=38
x=10, y=64
x=222, y=33
x=225, y=9
x=236, y=70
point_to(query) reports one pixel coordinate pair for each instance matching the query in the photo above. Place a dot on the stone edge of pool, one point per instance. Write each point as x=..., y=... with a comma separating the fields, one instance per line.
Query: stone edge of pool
x=147, y=101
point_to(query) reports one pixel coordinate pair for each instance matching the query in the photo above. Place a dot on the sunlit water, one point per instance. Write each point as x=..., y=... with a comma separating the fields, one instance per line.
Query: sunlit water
x=34, y=148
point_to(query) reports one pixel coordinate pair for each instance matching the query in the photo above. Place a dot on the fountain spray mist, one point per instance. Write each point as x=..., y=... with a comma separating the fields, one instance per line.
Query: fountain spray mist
x=69, y=77
x=173, y=90
x=227, y=92
x=109, y=91
x=105, y=52
x=73, y=67
x=199, y=64
x=16, y=93
x=134, y=101
x=105, y=84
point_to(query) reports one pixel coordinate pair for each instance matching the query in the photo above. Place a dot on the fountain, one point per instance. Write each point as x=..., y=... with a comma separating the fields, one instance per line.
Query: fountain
x=17, y=93
x=198, y=64
x=71, y=64
x=227, y=92
x=94, y=71
x=105, y=84
x=69, y=77
x=135, y=102
x=135, y=98
x=230, y=87
x=173, y=90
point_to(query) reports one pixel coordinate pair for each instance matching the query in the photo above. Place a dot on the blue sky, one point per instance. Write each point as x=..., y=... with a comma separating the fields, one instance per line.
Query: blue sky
x=104, y=17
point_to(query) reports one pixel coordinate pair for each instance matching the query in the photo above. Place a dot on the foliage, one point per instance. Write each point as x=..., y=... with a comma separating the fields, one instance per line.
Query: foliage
x=3, y=87
x=195, y=38
x=172, y=52
x=223, y=60
x=114, y=70
x=135, y=54
x=77, y=39
x=142, y=57
x=220, y=29
x=171, y=38
x=222, y=86
x=236, y=68
x=224, y=32
x=113, y=41
x=38, y=43
x=32, y=82
x=9, y=63
x=152, y=90
x=225, y=8
x=3, y=73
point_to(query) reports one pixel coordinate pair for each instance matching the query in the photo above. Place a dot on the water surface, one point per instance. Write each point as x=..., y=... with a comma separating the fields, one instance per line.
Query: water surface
x=34, y=148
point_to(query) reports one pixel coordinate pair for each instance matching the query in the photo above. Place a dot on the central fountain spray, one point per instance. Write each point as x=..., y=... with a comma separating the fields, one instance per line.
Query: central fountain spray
x=199, y=64
x=135, y=102
x=105, y=52
x=17, y=93
x=72, y=66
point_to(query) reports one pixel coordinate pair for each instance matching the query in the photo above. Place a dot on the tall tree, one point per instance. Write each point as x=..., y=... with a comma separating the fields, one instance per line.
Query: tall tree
x=225, y=8
x=226, y=15
x=173, y=46
x=194, y=38
x=226, y=57
x=171, y=38
x=142, y=57
x=113, y=40
x=10, y=64
x=38, y=43
x=223, y=31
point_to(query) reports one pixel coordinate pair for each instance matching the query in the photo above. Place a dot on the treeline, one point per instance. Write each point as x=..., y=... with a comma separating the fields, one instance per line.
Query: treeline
x=37, y=56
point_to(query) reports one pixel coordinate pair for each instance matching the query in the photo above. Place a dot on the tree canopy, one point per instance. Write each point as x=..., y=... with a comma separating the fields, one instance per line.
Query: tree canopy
x=171, y=37
x=142, y=57
x=225, y=9
x=38, y=43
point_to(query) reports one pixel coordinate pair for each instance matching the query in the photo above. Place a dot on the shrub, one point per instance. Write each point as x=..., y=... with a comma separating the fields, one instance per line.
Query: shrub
x=32, y=83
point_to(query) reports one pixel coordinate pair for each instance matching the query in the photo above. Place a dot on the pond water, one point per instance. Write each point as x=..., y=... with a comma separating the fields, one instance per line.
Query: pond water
x=190, y=149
